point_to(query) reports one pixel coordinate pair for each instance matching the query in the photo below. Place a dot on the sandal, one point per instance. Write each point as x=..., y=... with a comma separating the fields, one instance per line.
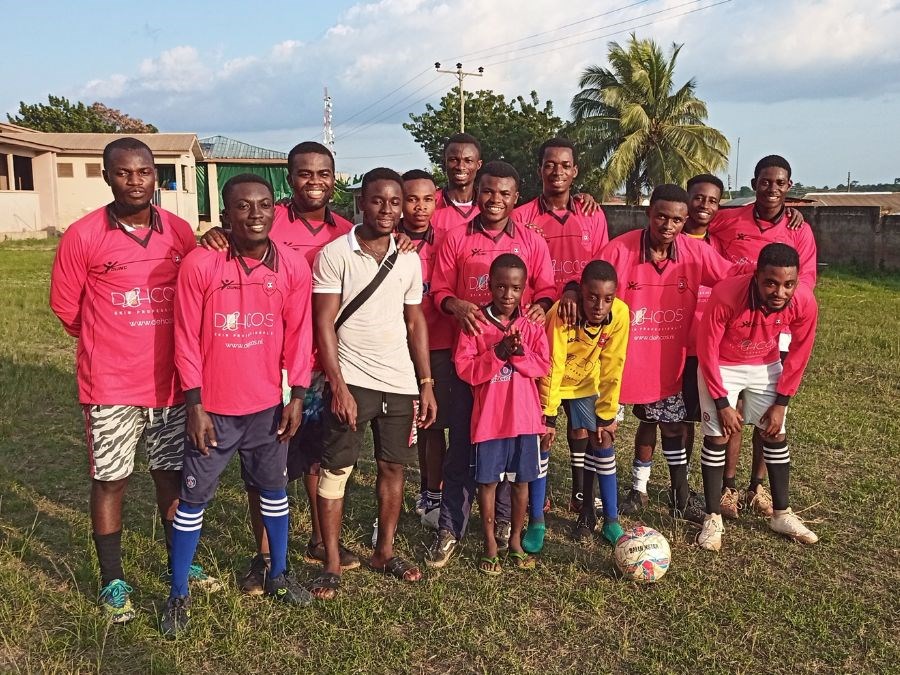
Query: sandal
x=327, y=581
x=522, y=561
x=399, y=568
x=315, y=554
x=490, y=566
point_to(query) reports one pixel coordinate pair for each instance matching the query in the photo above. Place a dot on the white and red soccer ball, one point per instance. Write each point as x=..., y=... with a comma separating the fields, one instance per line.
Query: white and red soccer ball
x=642, y=554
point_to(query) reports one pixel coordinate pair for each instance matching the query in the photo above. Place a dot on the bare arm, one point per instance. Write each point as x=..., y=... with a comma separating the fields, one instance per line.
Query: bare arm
x=417, y=339
x=325, y=310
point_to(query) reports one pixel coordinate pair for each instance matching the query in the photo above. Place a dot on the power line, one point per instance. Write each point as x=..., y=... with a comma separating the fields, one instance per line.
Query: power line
x=390, y=93
x=388, y=111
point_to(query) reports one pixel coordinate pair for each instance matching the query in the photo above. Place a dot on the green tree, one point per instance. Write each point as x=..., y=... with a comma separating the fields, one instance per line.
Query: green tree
x=634, y=125
x=511, y=130
x=61, y=115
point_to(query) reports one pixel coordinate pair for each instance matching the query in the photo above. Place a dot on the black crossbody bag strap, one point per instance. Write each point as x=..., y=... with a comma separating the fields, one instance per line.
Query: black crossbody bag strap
x=366, y=293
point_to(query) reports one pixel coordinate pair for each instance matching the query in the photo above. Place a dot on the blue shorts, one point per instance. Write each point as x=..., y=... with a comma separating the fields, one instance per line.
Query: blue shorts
x=582, y=412
x=255, y=437
x=514, y=459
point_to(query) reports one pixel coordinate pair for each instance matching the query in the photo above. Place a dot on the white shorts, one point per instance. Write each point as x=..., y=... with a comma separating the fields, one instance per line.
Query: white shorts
x=757, y=382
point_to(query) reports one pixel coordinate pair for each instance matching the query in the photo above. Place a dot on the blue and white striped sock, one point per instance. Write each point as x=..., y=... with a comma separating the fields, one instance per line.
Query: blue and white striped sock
x=603, y=463
x=273, y=504
x=537, y=490
x=185, y=535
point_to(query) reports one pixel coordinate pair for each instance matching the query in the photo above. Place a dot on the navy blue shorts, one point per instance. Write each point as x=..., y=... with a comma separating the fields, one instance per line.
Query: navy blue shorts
x=255, y=437
x=582, y=412
x=514, y=459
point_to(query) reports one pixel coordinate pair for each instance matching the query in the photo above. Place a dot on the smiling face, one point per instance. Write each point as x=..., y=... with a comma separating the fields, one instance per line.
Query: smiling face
x=418, y=203
x=666, y=220
x=776, y=286
x=704, y=203
x=381, y=204
x=597, y=297
x=249, y=212
x=507, y=285
x=461, y=163
x=311, y=176
x=771, y=186
x=496, y=198
x=557, y=171
x=132, y=176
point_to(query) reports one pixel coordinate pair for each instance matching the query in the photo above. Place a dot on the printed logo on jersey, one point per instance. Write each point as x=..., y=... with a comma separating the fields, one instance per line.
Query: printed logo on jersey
x=479, y=283
x=505, y=374
x=234, y=321
x=642, y=316
x=190, y=481
x=138, y=296
x=270, y=284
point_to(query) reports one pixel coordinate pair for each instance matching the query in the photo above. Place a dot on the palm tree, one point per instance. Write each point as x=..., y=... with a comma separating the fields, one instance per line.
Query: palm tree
x=636, y=129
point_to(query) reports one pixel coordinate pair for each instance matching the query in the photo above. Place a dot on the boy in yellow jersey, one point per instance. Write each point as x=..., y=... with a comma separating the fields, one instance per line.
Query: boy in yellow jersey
x=586, y=362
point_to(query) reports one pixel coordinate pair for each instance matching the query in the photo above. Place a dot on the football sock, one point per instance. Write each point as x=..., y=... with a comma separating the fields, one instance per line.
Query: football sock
x=167, y=533
x=640, y=474
x=109, y=556
x=273, y=504
x=605, y=463
x=185, y=536
x=729, y=482
x=712, y=466
x=578, y=447
x=676, y=457
x=778, y=464
x=537, y=491
x=754, y=482
x=433, y=499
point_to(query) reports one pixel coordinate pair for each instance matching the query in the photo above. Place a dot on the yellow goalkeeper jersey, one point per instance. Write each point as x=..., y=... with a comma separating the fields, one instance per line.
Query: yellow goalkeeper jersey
x=586, y=360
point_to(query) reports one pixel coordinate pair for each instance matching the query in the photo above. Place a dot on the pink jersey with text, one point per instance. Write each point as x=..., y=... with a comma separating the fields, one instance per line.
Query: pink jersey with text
x=114, y=290
x=507, y=403
x=702, y=298
x=465, y=257
x=448, y=214
x=738, y=329
x=440, y=326
x=574, y=239
x=292, y=230
x=238, y=321
x=662, y=298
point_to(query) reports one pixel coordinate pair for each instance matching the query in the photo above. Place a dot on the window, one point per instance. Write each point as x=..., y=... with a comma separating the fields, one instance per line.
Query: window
x=92, y=170
x=65, y=170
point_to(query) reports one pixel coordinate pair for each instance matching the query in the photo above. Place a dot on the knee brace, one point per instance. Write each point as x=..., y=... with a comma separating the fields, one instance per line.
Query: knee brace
x=333, y=482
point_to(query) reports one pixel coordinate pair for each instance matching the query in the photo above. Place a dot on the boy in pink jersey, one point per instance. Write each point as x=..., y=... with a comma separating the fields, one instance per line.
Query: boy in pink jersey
x=418, y=208
x=239, y=318
x=502, y=363
x=574, y=237
x=660, y=272
x=305, y=224
x=740, y=234
x=738, y=352
x=460, y=288
x=113, y=288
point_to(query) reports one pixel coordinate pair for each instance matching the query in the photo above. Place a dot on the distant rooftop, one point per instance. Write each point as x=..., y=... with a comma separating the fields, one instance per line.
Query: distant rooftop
x=222, y=147
x=888, y=202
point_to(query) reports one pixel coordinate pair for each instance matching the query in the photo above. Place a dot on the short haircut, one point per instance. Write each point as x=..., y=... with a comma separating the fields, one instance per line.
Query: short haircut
x=772, y=160
x=460, y=139
x=706, y=178
x=557, y=143
x=508, y=261
x=234, y=181
x=417, y=174
x=499, y=169
x=381, y=173
x=309, y=148
x=778, y=255
x=126, y=144
x=669, y=192
x=599, y=270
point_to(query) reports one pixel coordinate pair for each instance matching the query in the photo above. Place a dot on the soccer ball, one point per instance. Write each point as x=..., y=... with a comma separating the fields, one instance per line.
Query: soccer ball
x=642, y=554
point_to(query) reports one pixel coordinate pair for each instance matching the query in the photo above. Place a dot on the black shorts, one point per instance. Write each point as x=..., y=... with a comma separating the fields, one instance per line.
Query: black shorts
x=392, y=417
x=689, y=390
x=442, y=373
x=305, y=451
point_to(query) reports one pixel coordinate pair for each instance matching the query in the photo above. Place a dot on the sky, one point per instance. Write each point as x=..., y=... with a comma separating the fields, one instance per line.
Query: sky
x=817, y=81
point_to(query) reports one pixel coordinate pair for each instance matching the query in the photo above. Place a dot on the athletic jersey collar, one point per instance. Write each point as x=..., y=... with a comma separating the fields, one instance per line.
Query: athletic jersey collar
x=426, y=235
x=544, y=207
x=646, y=252
x=269, y=259
x=113, y=223
x=489, y=315
x=477, y=226
x=764, y=225
x=465, y=210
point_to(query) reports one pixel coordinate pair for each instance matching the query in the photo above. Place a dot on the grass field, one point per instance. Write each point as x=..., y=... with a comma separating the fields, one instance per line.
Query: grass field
x=762, y=605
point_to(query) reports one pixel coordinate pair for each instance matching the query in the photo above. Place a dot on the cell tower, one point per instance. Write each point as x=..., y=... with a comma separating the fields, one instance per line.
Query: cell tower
x=327, y=130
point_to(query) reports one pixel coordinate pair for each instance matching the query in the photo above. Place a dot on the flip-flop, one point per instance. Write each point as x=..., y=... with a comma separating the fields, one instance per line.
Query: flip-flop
x=398, y=568
x=315, y=554
x=522, y=561
x=327, y=581
x=490, y=566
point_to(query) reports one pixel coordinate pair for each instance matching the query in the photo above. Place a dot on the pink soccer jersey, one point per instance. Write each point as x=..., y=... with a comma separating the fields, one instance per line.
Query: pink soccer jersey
x=662, y=298
x=738, y=329
x=464, y=260
x=238, y=321
x=440, y=326
x=507, y=403
x=448, y=214
x=292, y=230
x=114, y=290
x=739, y=235
x=574, y=239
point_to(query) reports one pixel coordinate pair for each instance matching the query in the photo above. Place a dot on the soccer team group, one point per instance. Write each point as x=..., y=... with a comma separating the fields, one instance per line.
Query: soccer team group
x=289, y=331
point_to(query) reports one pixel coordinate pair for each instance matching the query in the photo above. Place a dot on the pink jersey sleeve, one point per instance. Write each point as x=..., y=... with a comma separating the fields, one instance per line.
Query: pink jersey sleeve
x=806, y=247
x=476, y=363
x=803, y=334
x=540, y=271
x=709, y=338
x=535, y=361
x=446, y=270
x=189, y=293
x=298, y=326
x=67, y=281
x=715, y=267
x=601, y=233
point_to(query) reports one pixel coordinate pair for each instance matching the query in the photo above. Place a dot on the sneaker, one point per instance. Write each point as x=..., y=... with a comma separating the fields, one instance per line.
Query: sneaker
x=760, y=500
x=441, y=549
x=634, y=503
x=176, y=616
x=710, y=536
x=728, y=504
x=584, y=528
x=598, y=504
x=285, y=589
x=611, y=531
x=430, y=517
x=575, y=503
x=791, y=525
x=198, y=579
x=315, y=554
x=254, y=581
x=115, y=603
x=502, y=533
x=692, y=512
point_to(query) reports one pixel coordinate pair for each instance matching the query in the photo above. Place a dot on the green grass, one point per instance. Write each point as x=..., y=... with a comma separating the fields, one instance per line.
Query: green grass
x=762, y=605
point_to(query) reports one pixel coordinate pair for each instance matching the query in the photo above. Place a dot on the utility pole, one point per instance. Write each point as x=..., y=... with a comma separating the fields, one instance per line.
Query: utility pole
x=460, y=76
x=327, y=130
x=737, y=166
x=848, y=181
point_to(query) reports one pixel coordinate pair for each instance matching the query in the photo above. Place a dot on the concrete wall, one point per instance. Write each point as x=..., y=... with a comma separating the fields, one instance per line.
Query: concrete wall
x=844, y=234
x=20, y=213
